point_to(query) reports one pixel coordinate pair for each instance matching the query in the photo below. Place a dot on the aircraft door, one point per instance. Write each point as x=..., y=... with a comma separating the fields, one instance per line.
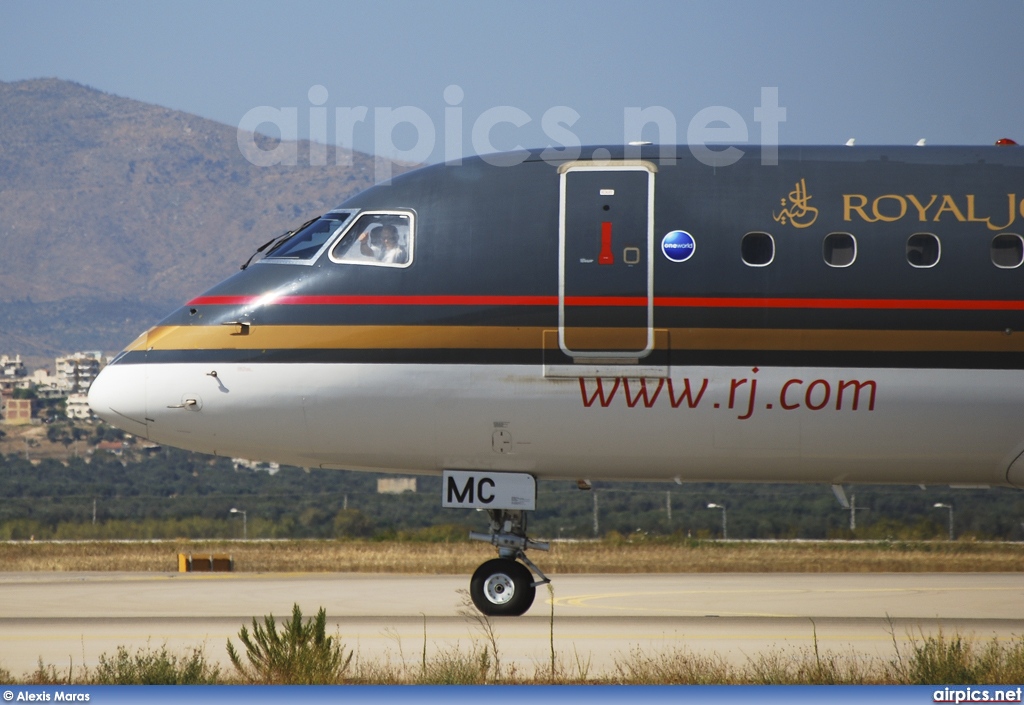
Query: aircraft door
x=606, y=287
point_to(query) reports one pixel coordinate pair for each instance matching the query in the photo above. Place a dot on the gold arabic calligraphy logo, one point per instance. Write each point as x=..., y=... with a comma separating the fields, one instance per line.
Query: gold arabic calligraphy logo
x=796, y=209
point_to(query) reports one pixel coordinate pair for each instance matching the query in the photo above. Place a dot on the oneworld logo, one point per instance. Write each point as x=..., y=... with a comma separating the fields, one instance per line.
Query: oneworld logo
x=678, y=246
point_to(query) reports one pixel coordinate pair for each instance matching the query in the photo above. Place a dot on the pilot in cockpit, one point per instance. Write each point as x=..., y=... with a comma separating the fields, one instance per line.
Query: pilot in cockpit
x=388, y=251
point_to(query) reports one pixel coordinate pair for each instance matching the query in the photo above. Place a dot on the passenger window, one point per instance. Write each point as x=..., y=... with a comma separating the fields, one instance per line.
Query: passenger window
x=384, y=239
x=1007, y=250
x=757, y=249
x=839, y=249
x=923, y=250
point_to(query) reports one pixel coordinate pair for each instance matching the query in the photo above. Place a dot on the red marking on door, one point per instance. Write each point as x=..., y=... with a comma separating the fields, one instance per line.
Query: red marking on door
x=606, y=256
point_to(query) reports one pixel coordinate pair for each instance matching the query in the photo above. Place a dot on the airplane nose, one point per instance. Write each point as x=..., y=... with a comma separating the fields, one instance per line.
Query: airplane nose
x=118, y=396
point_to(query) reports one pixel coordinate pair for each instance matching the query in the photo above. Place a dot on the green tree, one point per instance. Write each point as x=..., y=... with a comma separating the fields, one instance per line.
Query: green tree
x=59, y=433
x=352, y=523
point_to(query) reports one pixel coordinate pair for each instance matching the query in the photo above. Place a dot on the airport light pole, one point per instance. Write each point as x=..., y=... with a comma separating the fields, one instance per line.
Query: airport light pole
x=940, y=505
x=725, y=533
x=245, y=521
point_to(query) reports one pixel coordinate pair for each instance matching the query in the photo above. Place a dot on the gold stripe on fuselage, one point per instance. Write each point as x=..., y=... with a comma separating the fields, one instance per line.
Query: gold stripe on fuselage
x=326, y=337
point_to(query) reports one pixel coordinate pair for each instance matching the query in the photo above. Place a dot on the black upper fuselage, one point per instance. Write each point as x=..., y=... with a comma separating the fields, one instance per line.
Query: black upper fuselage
x=487, y=254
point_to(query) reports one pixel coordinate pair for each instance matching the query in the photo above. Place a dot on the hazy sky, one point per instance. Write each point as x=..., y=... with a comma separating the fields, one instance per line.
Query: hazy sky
x=884, y=72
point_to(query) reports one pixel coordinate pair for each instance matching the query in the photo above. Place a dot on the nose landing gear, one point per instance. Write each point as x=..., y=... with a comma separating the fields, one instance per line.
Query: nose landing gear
x=504, y=587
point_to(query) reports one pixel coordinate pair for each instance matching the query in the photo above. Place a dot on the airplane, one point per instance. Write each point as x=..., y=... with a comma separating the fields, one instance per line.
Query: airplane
x=845, y=315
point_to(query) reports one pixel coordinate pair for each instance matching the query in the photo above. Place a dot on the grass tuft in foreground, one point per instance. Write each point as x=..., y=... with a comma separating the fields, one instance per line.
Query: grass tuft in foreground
x=146, y=667
x=300, y=654
x=956, y=660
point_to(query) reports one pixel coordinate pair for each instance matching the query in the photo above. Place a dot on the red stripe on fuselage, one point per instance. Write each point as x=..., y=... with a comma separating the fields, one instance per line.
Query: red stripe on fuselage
x=357, y=300
x=909, y=304
x=668, y=301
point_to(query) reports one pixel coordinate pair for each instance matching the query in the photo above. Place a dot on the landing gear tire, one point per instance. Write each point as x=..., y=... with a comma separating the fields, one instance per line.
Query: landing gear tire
x=502, y=588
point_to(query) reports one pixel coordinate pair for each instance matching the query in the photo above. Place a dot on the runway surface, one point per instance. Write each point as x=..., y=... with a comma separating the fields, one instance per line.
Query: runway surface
x=70, y=619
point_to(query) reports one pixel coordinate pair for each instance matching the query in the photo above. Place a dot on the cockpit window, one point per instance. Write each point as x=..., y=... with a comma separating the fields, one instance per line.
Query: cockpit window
x=377, y=238
x=306, y=244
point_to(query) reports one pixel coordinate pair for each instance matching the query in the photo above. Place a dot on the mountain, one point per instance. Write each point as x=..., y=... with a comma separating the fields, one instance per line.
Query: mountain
x=113, y=212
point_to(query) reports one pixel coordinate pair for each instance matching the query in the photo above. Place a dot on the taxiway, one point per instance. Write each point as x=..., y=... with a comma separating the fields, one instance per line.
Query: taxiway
x=70, y=619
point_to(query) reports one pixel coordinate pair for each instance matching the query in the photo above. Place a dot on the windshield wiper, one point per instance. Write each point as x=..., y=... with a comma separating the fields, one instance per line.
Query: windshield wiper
x=279, y=239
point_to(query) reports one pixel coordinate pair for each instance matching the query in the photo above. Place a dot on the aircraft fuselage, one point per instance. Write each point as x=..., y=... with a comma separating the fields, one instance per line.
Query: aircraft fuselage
x=848, y=315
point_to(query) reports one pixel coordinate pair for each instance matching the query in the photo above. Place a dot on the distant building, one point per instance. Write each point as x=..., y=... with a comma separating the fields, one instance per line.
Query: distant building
x=271, y=468
x=46, y=385
x=10, y=368
x=396, y=485
x=12, y=373
x=78, y=406
x=76, y=372
x=114, y=447
x=16, y=412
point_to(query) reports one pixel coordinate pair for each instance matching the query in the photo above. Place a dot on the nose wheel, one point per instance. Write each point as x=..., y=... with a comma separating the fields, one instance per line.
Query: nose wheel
x=505, y=587
x=502, y=588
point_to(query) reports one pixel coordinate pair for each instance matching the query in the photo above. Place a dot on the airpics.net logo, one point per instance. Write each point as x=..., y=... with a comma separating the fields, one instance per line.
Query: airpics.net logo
x=707, y=132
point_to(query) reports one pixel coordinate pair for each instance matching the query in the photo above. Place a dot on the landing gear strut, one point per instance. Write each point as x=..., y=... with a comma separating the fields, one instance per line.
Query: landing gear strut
x=503, y=587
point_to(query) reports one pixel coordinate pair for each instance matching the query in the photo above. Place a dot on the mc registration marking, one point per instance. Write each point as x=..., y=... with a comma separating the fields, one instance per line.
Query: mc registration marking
x=488, y=490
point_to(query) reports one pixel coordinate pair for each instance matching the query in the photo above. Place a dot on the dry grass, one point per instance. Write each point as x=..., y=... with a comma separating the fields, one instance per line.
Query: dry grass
x=927, y=660
x=462, y=558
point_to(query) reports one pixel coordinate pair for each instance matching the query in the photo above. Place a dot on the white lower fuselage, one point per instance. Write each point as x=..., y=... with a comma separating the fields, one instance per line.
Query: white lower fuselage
x=834, y=425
